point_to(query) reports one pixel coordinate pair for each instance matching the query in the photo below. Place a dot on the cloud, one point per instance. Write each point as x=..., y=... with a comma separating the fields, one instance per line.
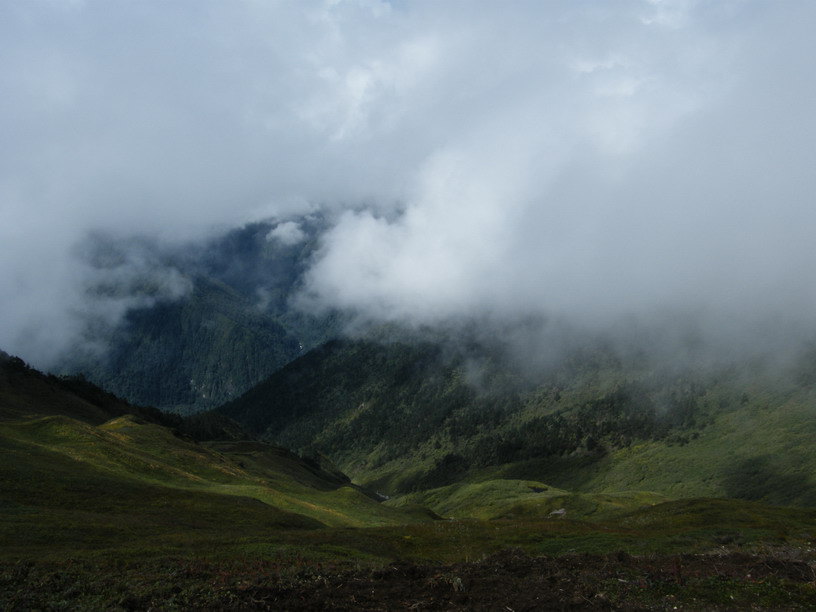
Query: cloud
x=287, y=233
x=661, y=167
x=586, y=160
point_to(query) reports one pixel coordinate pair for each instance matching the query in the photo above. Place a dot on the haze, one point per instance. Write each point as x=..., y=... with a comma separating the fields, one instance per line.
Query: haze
x=587, y=161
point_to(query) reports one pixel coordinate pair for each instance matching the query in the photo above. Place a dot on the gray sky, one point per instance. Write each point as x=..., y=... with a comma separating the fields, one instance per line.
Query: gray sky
x=591, y=160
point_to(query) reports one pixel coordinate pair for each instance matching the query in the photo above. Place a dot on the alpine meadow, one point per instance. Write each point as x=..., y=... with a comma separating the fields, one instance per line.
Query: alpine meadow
x=407, y=305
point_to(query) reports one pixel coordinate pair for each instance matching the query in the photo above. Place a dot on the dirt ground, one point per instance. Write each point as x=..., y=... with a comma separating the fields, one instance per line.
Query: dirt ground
x=510, y=581
x=513, y=581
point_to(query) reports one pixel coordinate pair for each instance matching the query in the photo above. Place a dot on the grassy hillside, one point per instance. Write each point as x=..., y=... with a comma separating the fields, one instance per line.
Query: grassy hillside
x=26, y=393
x=101, y=510
x=524, y=499
x=756, y=447
x=61, y=494
x=79, y=469
x=55, y=464
x=404, y=417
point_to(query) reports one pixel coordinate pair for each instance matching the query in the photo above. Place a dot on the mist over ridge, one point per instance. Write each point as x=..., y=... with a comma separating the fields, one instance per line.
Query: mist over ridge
x=637, y=170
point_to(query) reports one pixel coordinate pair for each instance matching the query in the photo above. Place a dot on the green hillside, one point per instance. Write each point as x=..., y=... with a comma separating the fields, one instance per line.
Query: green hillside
x=26, y=393
x=79, y=467
x=57, y=470
x=403, y=417
x=104, y=505
x=524, y=500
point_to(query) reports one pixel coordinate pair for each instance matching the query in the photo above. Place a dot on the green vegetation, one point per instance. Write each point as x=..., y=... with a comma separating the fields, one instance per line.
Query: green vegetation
x=405, y=417
x=196, y=550
x=524, y=499
x=26, y=393
x=106, y=505
x=58, y=460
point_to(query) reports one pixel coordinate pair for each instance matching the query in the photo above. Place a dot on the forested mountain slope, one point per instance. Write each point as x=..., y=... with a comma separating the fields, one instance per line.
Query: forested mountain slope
x=204, y=348
x=228, y=330
x=408, y=417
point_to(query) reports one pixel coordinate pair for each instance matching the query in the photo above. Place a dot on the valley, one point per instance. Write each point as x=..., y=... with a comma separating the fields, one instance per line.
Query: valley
x=405, y=417
x=409, y=485
x=407, y=305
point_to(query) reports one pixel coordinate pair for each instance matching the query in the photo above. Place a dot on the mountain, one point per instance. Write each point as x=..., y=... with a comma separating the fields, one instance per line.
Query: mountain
x=26, y=393
x=408, y=417
x=82, y=468
x=105, y=506
x=193, y=352
x=206, y=322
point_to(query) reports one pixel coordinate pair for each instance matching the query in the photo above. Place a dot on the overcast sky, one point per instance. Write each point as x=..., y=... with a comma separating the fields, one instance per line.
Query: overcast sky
x=585, y=159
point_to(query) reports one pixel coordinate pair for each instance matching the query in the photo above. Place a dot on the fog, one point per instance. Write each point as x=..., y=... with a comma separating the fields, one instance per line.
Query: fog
x=592, y=163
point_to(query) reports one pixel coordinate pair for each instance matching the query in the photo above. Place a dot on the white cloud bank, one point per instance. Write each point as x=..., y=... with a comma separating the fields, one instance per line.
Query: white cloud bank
x=584, y=159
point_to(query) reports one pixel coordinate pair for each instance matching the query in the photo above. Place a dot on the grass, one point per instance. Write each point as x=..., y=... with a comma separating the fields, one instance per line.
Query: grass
x=135, y=488
x=762, y=451
x=211, y=556
x=756, y=448
x=127, y=515
x=125, y=481
x=402, y=420
x=523, y=499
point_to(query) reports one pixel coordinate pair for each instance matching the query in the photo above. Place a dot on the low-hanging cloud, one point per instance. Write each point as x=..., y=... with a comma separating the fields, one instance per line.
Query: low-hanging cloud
x=584, y=160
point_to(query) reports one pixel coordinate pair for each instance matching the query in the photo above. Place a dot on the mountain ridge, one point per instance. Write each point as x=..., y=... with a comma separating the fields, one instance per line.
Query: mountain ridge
x=64, y=453
x=406, y=417
x=224, y=324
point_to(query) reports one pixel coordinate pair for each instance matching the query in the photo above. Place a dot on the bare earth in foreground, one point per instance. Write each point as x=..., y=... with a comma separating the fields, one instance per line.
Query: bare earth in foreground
x=509, y=581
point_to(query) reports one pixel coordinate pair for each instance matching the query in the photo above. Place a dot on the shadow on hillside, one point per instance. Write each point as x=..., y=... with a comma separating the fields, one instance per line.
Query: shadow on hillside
x=775, y=479
x=573, y=473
